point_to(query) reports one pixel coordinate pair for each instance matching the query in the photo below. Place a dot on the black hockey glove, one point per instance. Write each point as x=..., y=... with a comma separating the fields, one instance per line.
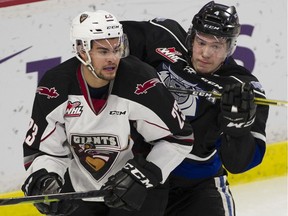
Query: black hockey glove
x=129, y=186
x=42, y=182
x=238, y=109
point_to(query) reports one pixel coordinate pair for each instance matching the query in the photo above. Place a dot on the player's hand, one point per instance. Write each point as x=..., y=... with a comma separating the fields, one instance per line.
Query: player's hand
x=42, y=182
x=129, y=186
x=238, y=109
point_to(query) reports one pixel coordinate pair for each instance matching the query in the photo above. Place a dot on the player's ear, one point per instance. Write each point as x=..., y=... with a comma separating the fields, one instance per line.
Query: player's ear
x=83, y=55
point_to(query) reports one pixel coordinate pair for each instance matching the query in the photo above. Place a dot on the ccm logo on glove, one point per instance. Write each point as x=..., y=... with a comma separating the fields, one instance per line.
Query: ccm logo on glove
x=138, y=175
x=241, y=124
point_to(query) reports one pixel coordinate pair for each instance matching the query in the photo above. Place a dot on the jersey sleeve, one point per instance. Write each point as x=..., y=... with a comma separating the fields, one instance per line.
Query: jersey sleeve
x=243, y=153
x=156, y=114
x=46, y=128
x=166, y=128
x=156, y=40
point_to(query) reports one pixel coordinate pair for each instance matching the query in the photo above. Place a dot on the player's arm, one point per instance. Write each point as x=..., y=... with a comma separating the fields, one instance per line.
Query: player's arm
x=243, y=124
x=155, y=41
x=45, y=148
x=163, y=124
x=44, y=144
x=136, y=34
x=166, y=127
x=129, y=186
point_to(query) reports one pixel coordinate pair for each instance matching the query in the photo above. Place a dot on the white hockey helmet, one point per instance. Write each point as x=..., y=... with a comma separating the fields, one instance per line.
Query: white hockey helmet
x=89, y=26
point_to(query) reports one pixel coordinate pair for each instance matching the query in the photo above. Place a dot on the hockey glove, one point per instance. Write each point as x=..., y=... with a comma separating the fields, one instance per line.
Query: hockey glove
x=42, y=182
x=129, y=186
x=238, y=109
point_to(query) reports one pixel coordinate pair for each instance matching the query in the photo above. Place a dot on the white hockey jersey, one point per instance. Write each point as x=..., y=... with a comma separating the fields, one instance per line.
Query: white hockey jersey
x=66, y=133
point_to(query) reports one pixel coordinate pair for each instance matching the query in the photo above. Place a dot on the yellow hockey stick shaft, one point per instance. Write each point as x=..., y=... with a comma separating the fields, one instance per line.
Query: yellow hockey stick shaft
x=260, y=101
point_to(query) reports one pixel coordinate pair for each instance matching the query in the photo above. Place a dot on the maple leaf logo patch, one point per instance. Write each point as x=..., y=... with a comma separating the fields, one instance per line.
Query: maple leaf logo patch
x=142, y=88
x=49, y=92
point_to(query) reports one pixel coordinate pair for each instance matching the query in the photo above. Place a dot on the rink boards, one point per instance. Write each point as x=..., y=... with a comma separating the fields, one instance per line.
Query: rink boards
x=273, y=165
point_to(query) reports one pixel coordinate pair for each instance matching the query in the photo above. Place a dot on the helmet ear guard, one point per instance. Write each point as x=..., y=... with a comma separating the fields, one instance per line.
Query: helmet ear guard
x=218, y=20
x=232, y=45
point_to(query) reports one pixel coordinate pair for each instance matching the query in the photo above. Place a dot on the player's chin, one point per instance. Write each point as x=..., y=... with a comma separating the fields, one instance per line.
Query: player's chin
x=109, y=76
x=204, y=68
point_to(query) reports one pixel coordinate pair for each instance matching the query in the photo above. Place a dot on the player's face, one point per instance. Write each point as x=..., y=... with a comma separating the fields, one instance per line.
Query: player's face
x=209, y=52
x=105, y=57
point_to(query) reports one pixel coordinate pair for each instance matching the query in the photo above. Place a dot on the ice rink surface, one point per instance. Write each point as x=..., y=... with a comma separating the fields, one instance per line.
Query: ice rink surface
x=262, y=198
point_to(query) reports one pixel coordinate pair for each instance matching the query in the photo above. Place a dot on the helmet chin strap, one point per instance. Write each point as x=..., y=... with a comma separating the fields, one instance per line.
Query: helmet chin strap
x=91, y=69
x=88, y=64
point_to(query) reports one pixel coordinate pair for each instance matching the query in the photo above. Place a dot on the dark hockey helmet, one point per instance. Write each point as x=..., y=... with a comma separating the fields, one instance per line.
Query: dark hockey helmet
x=218, y=20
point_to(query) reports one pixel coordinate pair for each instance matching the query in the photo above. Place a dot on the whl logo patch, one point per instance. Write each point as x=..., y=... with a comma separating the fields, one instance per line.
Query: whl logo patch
x=170, y=53
x=142, y=88
x=73, y=109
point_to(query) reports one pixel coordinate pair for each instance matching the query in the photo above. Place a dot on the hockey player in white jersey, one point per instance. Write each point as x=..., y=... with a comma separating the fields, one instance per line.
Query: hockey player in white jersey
x=85, y=112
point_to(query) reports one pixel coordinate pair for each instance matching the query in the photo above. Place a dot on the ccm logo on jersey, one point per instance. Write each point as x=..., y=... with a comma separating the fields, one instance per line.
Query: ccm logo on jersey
x=142, y=88
x=49, y=92
x=169, y=53
x=137, y=174
x=115, y=112
x=73, y=109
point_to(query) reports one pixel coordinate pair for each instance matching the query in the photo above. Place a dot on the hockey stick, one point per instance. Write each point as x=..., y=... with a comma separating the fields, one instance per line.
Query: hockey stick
x=53, y=197
x=260, y=101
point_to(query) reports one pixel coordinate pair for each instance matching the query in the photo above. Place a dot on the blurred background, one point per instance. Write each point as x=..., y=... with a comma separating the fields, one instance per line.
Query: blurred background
x=35, y=37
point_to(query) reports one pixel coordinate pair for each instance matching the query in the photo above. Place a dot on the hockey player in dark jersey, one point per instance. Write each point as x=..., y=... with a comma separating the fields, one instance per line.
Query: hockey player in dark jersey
x=230, y=132
x=84, y=113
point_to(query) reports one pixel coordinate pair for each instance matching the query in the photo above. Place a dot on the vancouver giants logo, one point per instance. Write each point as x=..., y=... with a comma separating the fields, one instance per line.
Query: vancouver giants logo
x=73, y=109
x=142, y=88
x=170, y=53
x=97, y=153
x=49, y=92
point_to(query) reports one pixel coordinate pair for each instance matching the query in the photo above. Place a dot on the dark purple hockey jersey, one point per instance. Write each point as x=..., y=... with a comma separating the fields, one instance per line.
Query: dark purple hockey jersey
x=161, y=43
